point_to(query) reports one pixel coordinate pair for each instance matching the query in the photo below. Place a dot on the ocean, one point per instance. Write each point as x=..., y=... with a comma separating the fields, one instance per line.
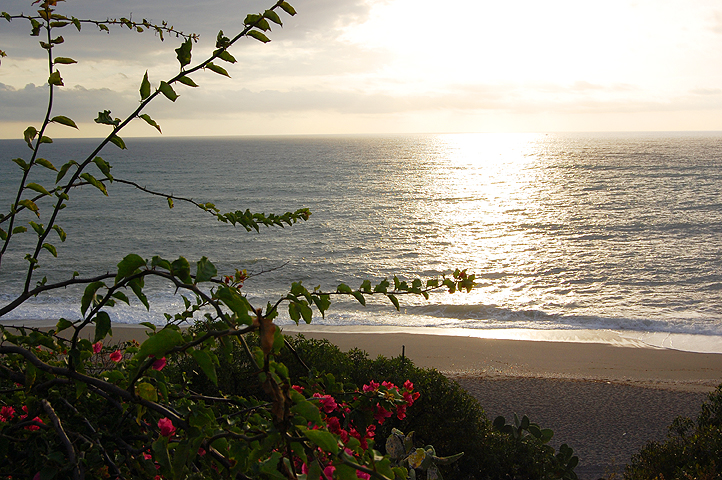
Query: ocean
x=586, y=231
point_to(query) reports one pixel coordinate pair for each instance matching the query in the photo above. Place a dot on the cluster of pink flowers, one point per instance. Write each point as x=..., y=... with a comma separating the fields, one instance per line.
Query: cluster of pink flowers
x=7, y=413
x=379, y=400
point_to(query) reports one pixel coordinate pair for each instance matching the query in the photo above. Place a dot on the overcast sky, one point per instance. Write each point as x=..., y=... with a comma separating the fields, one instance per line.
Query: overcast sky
x=385, y=66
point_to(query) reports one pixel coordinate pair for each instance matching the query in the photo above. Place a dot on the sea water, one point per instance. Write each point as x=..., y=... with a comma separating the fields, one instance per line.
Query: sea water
x=604, y=231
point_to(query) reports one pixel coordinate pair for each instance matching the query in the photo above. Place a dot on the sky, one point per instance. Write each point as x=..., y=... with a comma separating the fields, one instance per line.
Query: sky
x=383, y=66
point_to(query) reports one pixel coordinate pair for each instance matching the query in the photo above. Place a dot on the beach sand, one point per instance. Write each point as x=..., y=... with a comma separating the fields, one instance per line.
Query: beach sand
x=603, y=395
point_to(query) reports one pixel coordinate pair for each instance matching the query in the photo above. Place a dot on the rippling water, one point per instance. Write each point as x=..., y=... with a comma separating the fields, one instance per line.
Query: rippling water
x=600, y=231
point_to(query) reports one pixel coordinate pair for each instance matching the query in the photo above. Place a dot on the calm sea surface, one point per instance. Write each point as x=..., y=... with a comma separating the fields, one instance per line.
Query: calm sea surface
x=564, y=231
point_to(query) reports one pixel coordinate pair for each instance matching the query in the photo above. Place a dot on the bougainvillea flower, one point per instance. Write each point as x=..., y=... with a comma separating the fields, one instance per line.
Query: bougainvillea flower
x=166, y=427
x=35, y=427
x=97, y=347
x=6, y=414
x=328, y=403
x=159, y=364
x=371, y=387
x=381, y=414
x=408, y=385
x=116, y=356
x=298, y=388
x=328, y=471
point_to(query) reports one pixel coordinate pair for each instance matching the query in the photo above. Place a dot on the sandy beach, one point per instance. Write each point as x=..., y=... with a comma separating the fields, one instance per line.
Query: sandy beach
x=602, y=394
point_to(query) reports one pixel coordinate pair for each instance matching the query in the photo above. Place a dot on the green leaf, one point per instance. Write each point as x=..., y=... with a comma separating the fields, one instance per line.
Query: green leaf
x=150, y=121
x=394, y=300
x=129, y=265
x=205, y=270
x=60, y=232
x=118, y=142
x=308, y=410
x=55, y=79
x=104, y=167
x=258, y=36
x=51, y=249
x=182, y=269
x=170, y=202
x=147, y=391
x=102, y=326
x=288, y=8
x=104, y=118
x=360, y=297
x=187, y=81
x=160, y=343
x=237, y=303
x=45, y=139
x=204, y=360
x=145, y=87
x=64, y=121
x=224, y=55
x=323, y=439
x=64, y=60
x=273, y=16
x=122, y=297
x=343, y=288
x=64, y=170
x=160, y=262
x=29, y=134
x=22, y=164
x=30, y=205
x=19, y=230
x=218, y=69
x=168, y=91
x=94, y=182
x=3, y=235
x=89, y=295
x=184, y=52
x=38, y=228
x=37, y=188
x=62, y=324
x=45, y=163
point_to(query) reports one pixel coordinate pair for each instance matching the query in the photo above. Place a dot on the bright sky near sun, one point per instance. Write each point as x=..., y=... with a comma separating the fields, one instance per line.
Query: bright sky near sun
x=386, y=66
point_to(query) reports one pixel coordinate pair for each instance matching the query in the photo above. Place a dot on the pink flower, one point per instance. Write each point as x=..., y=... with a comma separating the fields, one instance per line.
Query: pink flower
x=6, y=414
x=37, y=476
x=408, y=385
x=159, y=364
x=97, y=347
x=116, y=356
x=201, y=451
x=34, y=427
x=166, y=427
x=381, y=414
x=328, y=471
x=371, y=387
x=401, y=412
x=363, y=476
x=298, y=388
x=147, y=456
x=327, y=402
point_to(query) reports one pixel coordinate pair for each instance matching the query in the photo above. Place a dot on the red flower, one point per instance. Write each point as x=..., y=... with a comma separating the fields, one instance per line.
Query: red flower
x=298, y=388
x=166, y=427
x=6, y=414
x=408, y=385
x=97, y=347
x=159, y=364
x=116, y=356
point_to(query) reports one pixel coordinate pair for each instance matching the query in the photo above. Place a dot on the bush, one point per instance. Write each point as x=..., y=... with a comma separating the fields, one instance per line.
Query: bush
x=445, y=415
x=693, y=450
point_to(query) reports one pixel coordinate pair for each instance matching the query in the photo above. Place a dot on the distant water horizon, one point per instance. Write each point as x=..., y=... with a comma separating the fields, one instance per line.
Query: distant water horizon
x=565, y=231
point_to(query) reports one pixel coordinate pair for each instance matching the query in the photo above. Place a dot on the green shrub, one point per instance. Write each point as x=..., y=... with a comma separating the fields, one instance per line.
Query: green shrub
x=692, y=450
x=445, y=416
